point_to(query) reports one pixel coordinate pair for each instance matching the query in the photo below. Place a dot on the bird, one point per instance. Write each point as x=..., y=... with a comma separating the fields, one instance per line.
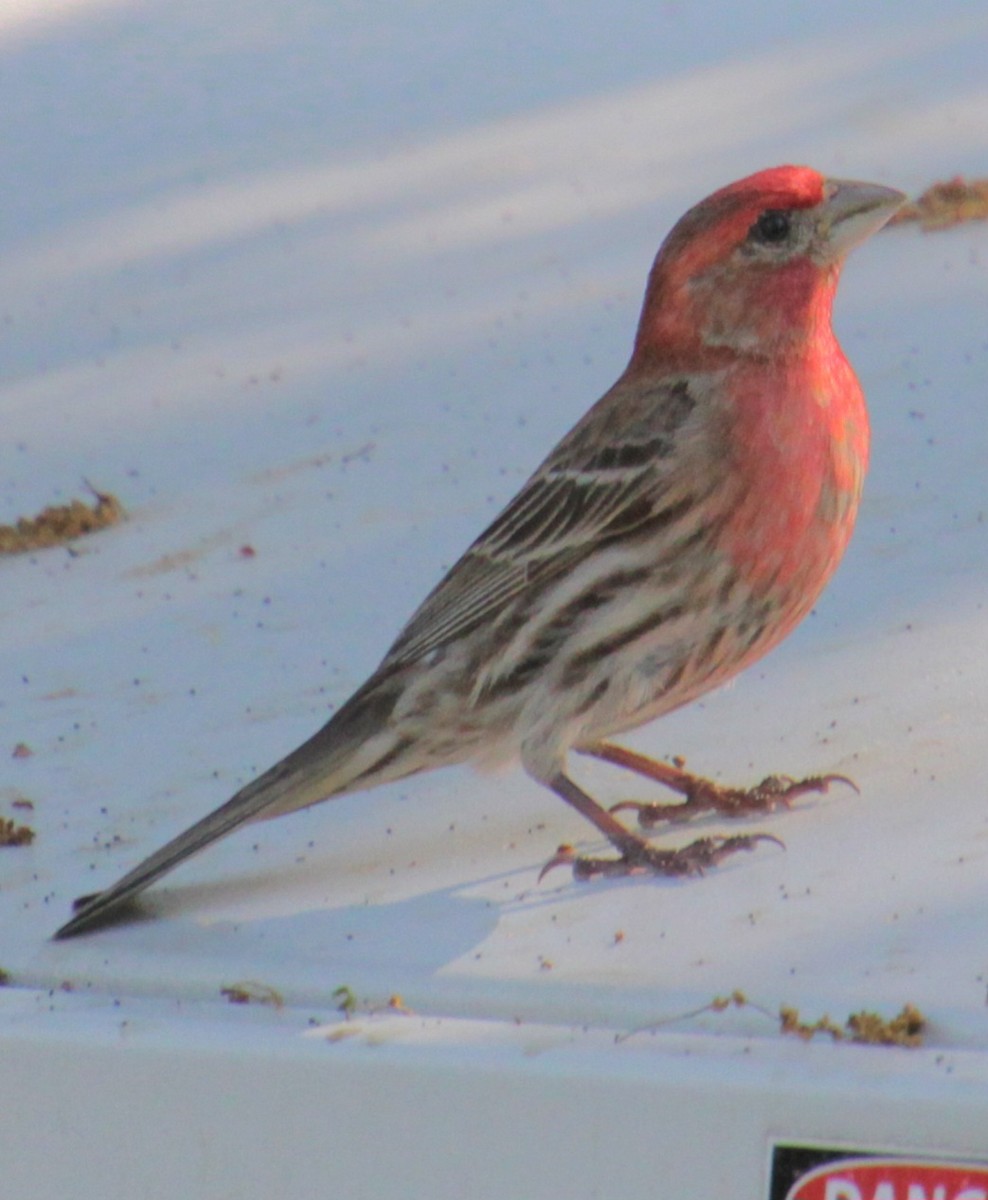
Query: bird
x=680, y=530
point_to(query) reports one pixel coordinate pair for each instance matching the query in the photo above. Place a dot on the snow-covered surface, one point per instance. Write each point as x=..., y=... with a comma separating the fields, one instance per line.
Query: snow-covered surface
x=327, y=282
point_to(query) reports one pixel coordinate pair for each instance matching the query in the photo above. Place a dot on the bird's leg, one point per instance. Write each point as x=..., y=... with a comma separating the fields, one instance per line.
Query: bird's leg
x=703, y=795
x=636, y=856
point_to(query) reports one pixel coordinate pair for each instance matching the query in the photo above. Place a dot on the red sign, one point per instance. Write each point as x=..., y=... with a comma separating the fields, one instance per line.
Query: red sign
x=892, y=1179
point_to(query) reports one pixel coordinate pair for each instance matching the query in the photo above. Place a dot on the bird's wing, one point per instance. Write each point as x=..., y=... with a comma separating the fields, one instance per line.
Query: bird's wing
x=613, y=473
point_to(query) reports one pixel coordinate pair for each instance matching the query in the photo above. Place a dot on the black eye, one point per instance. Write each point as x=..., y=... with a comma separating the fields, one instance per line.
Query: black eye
x=772, y=226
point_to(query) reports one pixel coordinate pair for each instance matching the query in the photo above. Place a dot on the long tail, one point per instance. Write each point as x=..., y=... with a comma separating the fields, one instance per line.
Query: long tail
x=357, y=748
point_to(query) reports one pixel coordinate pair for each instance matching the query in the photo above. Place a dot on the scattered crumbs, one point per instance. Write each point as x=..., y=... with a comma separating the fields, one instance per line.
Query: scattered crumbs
x=737, y=999
x=397, y=1004
x=21, y=750
x=12, y=834
x=947, y=203
x=23, y=802
x=865, y=1028
x=618, y=937
x=791, y=1023
x=61, y=523
x=247, y=551
x=250, y=992
x=545, y=964
x=905, y=1029
x=346, y=1001
x=4, y=977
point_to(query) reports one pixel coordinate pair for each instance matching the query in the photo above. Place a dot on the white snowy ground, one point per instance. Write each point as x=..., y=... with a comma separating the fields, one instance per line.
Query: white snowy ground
x=329, y=281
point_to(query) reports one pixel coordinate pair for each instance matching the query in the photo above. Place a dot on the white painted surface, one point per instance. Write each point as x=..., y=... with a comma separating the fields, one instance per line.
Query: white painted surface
x=329, y=284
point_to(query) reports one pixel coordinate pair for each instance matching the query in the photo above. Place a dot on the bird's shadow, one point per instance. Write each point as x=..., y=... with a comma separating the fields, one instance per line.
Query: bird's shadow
x=304, y=924
x=333, y=918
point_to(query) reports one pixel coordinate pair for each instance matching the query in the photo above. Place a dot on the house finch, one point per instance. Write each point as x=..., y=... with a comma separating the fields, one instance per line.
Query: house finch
x=676, y=533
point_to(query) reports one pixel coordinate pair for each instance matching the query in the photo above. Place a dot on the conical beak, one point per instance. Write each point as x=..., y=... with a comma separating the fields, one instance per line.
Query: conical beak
x=852, y=212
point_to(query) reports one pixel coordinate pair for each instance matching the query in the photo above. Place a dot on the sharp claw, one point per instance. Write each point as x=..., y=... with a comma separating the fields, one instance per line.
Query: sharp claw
x=827, y=780
x=565, y=856
x=691, y=860
x=708, y=852
x=775, y=791
x=785, y=788
x=760, y=837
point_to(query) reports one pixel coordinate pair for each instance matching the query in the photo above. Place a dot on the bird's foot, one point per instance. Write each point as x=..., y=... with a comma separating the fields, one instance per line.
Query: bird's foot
x=639, y=858
x=703, y=795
